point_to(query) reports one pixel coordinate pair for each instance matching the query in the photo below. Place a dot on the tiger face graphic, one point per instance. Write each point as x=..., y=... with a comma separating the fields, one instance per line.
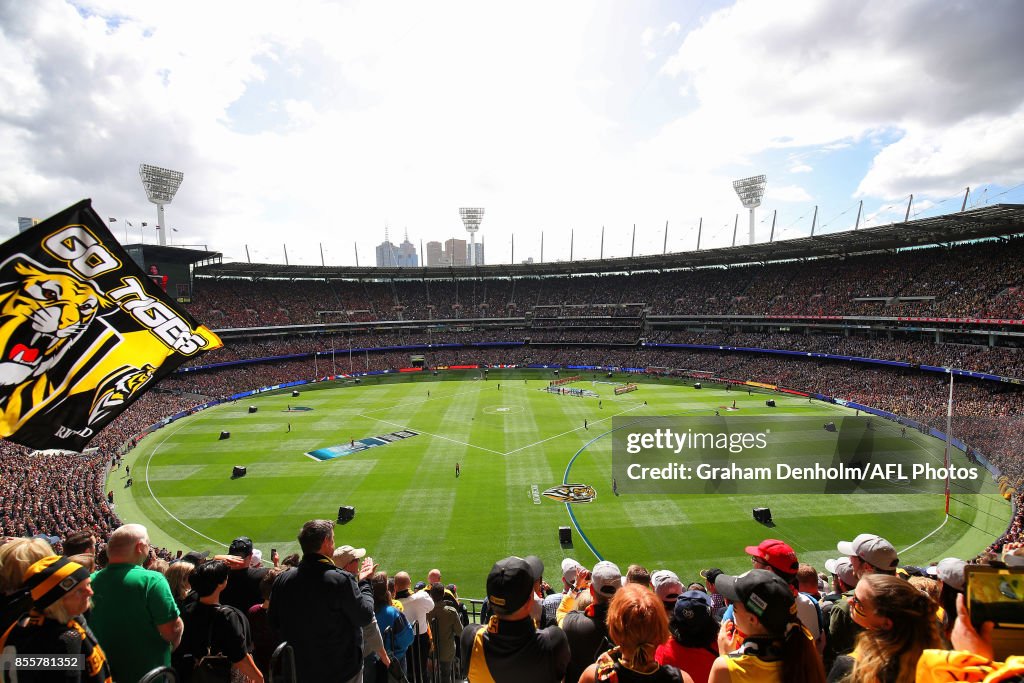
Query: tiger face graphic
x=572, y=493
x=41, y=315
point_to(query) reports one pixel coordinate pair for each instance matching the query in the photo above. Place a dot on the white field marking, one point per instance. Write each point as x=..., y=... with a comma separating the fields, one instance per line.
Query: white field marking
x=436, y=436
x=156, y=500
x=416, y=403
x=571, y=431
x=946, y=519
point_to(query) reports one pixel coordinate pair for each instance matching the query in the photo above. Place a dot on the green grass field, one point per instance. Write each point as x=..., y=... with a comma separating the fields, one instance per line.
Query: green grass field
x=413, y=514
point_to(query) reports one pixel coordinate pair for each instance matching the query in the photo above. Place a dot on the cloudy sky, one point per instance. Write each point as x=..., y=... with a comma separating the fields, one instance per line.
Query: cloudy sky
x=305, y=123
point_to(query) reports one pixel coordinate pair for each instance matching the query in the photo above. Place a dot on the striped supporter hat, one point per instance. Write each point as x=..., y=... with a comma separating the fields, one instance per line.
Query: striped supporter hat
x=53, y=577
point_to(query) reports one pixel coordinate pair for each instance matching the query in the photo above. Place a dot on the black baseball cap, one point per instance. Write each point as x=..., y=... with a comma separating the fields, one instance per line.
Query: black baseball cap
x=241, y=547
x=509, y=585
x=711, y=574
x=196, y=557
x=762, y=593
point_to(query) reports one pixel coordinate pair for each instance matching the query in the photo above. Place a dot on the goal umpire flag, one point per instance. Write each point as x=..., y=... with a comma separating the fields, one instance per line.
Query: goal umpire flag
x=83, y=331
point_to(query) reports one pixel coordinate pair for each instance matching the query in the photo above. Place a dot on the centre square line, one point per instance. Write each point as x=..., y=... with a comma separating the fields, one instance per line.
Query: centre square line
x=571, y=431
x=367, y=415
x=436, y=436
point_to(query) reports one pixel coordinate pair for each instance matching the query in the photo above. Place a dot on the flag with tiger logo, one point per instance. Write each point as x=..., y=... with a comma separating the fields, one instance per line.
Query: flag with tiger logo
x=84, y=332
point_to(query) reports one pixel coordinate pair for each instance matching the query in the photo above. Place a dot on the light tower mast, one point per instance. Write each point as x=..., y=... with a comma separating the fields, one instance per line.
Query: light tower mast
x=750, y=190
x=160, y=184
x=471, y=219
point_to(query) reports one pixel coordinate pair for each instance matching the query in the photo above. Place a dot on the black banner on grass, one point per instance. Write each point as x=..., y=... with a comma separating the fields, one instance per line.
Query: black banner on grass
x=83, y=331
x=783, y=455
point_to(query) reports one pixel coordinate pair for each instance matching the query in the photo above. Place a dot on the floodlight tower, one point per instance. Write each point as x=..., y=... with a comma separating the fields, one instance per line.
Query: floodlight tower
x=750, y=190
x=471, y=219
x=160, y=184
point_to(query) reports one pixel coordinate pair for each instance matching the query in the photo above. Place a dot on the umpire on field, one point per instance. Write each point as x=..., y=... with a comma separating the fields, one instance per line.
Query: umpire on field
x=320, y=610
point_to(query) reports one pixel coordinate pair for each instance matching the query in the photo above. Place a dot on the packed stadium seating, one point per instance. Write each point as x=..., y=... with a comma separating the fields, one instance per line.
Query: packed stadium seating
x=590, y=320
x=972, y=281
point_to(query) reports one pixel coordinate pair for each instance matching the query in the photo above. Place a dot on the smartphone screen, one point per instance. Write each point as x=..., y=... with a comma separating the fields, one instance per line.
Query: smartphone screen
x=997, y=595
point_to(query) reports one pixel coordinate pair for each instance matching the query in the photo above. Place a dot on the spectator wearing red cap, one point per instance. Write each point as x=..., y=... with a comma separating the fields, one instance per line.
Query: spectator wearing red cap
x=779, y=558
x=777, y=648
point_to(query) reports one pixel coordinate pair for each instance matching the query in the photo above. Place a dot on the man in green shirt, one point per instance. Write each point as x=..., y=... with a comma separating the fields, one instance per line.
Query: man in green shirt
x=134, y=615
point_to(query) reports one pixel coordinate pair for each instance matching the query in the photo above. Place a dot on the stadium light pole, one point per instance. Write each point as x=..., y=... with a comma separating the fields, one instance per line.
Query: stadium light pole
x=750, y=190
x=161, y=184
x=471, y=218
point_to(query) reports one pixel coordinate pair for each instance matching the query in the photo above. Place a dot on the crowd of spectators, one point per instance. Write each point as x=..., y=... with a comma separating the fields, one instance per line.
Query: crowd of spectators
x=970, y=281
x=1003, y=361
x=864, y=617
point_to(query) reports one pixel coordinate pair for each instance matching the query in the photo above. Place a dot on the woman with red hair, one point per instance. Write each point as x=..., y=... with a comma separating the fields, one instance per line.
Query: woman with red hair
x=637, y=624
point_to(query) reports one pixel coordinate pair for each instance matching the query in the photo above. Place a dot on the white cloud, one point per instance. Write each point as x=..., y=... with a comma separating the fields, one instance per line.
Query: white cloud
x=828, y=74
x=943, y=161
x=786, y=193
x=800, y=168
x=313, y=121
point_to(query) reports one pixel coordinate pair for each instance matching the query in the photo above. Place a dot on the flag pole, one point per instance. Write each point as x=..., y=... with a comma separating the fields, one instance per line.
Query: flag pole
x=949, y=430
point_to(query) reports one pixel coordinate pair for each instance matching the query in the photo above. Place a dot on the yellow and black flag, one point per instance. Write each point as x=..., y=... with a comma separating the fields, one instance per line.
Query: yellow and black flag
x=83, y=331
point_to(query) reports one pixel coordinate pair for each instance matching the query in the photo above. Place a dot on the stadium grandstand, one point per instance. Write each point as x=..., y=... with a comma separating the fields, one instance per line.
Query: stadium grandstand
x=879, y=318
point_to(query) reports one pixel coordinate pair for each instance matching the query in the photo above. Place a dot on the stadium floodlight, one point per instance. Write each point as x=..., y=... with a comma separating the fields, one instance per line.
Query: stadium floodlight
x=471, y=218
x=160, y=184
x=750, y=190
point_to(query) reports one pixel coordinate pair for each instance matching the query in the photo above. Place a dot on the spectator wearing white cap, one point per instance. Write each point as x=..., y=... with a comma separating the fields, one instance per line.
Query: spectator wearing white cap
x=587, y=630
x=347, y=559
x=667, y=587
x=868, y=554
x=950, y=574
x=569, y=569
x=844, y=580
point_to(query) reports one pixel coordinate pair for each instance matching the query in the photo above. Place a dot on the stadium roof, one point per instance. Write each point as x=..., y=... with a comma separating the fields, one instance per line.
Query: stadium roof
x=1001, y=220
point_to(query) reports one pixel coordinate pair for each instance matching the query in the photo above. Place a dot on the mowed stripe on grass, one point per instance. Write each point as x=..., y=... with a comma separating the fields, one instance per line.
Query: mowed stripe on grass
x=413, y=514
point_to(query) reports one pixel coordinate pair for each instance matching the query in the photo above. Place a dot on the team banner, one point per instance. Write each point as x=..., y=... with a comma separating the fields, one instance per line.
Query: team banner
x=83, y=331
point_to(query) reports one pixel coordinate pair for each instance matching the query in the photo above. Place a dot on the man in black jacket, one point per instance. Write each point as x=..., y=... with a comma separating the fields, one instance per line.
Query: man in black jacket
x=509, y=648
x=321, y=610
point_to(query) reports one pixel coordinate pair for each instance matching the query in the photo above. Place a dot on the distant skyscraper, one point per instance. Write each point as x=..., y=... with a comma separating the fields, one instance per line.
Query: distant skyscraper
x=387, y=254
x=402, y=256
x=405, y=255
x=455, y=251
x=479, y=253
x=435, y=255
x=26, y=223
